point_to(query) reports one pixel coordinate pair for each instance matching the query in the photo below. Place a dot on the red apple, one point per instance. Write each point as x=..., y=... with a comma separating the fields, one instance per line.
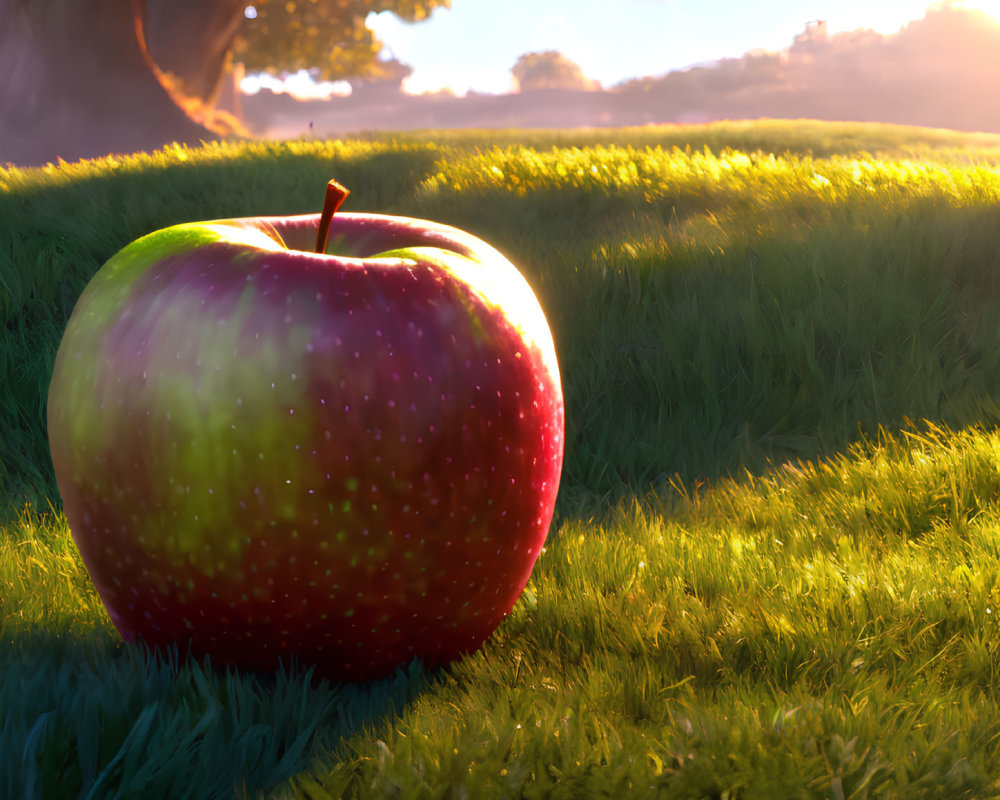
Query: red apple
x=265, y=451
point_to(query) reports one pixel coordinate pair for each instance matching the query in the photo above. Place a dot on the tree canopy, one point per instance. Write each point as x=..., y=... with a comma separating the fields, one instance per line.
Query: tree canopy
x=195, y=41
x=328, y=36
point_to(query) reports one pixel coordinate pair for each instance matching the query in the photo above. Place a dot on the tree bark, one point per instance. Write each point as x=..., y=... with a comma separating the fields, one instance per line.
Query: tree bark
x=75, y=83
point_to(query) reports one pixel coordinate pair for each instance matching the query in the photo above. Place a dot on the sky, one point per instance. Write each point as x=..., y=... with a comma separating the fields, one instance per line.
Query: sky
x=474, y=44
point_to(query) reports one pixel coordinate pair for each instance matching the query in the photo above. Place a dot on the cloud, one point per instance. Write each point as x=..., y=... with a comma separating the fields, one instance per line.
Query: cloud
x=941, y=70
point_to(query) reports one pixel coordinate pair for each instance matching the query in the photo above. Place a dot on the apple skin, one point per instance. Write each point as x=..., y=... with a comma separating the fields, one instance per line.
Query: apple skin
x=265, y=452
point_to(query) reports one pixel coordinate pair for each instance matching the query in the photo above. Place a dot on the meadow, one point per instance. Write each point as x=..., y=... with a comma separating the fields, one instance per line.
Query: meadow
x=774, y=569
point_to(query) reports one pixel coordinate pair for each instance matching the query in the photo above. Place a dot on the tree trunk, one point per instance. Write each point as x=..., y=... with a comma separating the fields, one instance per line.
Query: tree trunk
x=192, y=40
x=75, y=82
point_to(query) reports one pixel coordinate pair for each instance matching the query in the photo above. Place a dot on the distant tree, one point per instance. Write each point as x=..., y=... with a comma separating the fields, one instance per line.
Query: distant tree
x=384, y=81
x=549, y=70
x=85, y=78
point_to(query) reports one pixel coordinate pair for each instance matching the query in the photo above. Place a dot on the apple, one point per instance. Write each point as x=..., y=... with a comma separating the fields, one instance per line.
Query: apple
x=267, y=451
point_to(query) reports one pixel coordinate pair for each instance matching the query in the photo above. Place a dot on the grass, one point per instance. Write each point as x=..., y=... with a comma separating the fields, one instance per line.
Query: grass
x=774, y=567
x=800, y=137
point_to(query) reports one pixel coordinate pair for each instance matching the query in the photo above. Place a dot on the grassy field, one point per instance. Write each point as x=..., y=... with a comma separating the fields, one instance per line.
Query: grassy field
x=775, y=565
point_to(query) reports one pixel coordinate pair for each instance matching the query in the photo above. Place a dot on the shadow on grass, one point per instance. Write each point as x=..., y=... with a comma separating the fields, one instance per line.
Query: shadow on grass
x=88, y=716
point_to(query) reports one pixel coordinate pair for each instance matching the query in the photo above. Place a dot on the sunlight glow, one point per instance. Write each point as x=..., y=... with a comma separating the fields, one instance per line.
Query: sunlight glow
x=991, y=7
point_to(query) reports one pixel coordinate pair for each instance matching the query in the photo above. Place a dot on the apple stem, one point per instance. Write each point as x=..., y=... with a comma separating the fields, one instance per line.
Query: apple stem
x=335, y=195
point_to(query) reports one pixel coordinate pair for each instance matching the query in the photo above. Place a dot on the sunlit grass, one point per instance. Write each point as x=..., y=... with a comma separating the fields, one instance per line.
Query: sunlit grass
x=800, y=137
x=44, y=578
x=657, y=174
x=775, y=566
